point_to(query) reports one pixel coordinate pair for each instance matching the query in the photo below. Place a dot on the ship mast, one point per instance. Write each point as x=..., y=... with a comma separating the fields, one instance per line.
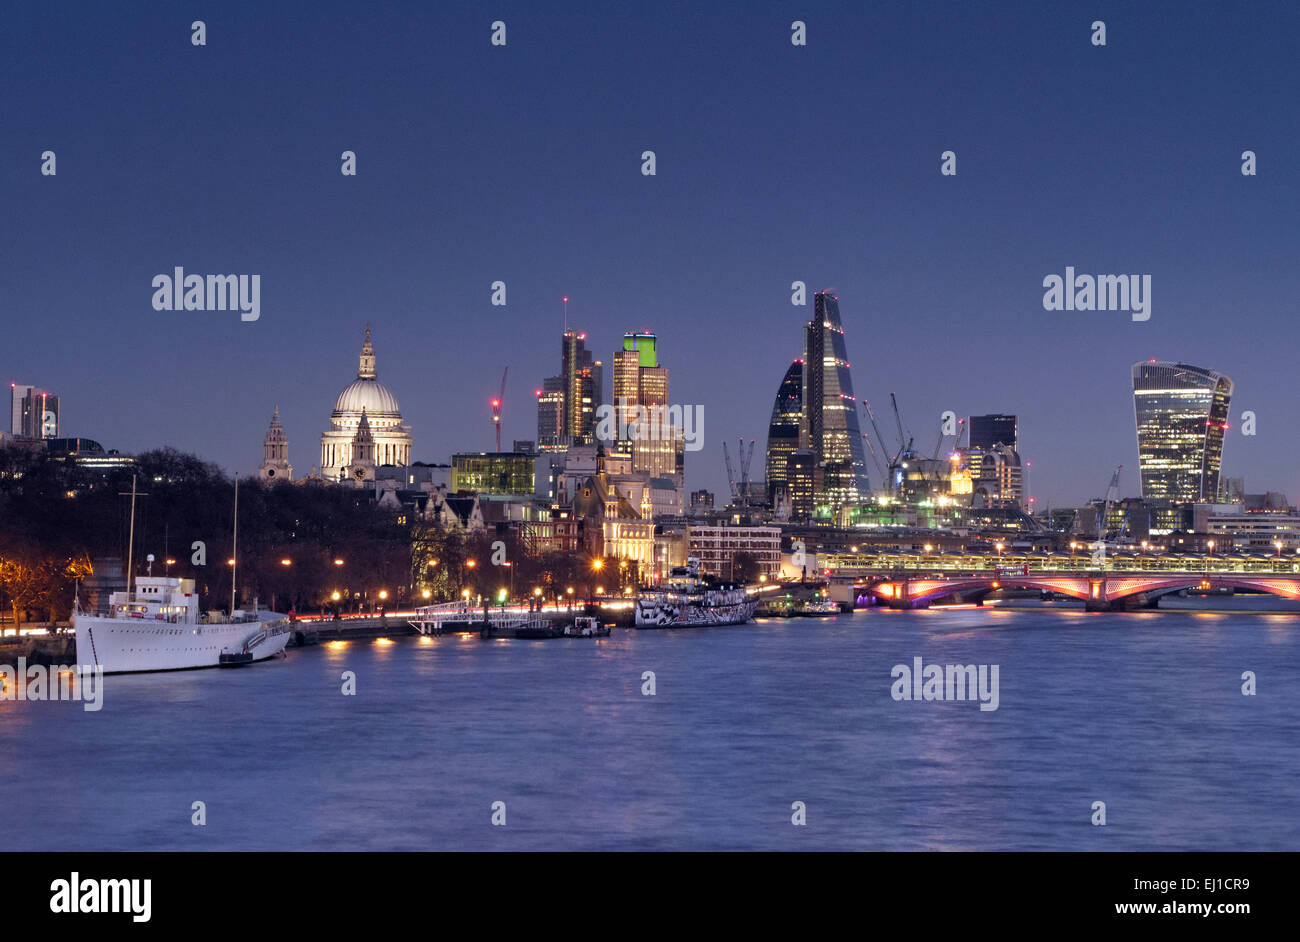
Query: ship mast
x=130, y=547
x=234, y=550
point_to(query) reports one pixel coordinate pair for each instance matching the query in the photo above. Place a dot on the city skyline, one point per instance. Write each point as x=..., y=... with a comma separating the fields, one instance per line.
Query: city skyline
x=941, y=276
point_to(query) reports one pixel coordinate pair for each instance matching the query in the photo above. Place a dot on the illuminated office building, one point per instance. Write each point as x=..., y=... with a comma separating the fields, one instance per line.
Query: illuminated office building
x=783, y=429
x=830, y=427
x=643, y=428
x=567, y=404
x=1181, y=413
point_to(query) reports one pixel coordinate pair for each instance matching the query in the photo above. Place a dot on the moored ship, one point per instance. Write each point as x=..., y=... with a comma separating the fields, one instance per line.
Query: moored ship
x=688, y=600
x=157, y=627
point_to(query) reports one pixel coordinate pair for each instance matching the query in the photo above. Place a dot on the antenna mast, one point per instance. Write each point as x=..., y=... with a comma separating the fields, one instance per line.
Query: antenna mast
x=234, y=550
x=130, y=548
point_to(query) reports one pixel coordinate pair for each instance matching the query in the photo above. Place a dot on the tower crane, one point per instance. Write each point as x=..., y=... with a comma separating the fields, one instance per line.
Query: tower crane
x=739, y=485
x=746, y=456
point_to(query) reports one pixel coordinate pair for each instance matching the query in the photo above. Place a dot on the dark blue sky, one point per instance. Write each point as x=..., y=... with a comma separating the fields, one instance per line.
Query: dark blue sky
x=775, y=163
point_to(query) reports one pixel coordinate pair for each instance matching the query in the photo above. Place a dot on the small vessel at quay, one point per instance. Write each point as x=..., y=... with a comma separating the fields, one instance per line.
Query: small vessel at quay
x=586, y=627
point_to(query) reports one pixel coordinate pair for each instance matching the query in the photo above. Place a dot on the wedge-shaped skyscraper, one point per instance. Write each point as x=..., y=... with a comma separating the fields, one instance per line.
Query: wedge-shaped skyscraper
x=1182, y=412
x=831, y=430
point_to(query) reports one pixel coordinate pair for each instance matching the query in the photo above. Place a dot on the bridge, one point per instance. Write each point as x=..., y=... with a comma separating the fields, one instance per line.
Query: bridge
x=1118, y=582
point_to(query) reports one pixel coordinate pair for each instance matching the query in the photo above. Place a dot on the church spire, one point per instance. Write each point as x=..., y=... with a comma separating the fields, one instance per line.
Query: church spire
x=363, y=429
x=367, y=368
x=275, y=452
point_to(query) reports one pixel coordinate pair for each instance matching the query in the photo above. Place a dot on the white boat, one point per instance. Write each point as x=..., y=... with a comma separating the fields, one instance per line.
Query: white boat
x=686, y=600
x=584, y=627
x=155, y=625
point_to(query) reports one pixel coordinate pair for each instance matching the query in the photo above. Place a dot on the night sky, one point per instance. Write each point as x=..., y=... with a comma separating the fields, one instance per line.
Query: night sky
x=774, y=163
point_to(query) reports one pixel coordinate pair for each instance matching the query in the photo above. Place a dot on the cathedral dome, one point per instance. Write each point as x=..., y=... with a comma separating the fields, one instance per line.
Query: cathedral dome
x=368, y=394
x=366, y=430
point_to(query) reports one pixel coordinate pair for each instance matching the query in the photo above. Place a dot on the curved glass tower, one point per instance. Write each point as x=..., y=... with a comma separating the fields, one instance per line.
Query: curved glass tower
x=831, y=425
x=783, y=430
x=1181, y=412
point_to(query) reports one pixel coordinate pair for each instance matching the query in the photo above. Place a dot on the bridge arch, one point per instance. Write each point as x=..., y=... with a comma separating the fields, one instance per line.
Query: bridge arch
x=1100, y=591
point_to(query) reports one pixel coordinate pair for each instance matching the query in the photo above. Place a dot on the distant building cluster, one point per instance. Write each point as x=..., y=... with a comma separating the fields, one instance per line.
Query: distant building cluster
x=603, y=479
x=606, y=477
x=35, y=425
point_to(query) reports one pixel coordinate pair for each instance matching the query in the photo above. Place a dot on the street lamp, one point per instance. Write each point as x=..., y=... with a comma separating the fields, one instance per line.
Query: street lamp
x=338, y=562
x=286, y=562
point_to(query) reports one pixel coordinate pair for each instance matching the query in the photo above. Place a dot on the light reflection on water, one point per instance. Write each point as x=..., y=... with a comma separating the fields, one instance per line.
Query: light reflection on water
x=1141, y=710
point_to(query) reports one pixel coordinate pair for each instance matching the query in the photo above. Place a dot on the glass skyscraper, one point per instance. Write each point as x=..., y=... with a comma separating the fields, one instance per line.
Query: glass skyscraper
x=783, y=430
x=987, y=431
x=643, y=428
x=830, y=428
x=567, y=404
x=1181, y=413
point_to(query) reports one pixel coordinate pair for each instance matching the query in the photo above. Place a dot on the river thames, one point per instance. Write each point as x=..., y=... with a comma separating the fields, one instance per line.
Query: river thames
x=1141, y=711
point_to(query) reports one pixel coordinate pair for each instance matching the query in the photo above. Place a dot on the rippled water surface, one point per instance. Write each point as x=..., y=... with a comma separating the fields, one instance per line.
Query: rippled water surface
x=1142, y=711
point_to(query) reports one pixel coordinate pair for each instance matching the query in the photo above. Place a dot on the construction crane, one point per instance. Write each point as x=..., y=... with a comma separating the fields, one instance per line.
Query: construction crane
x=884, y=475
x=496, y=407
x=876, y=428
x=739, y=486
x=746, y=456
x=898, y=420
x=956, y=442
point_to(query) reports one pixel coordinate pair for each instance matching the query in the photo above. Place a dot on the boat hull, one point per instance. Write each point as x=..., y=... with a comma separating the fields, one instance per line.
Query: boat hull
x=128, y=645
x=654, y=615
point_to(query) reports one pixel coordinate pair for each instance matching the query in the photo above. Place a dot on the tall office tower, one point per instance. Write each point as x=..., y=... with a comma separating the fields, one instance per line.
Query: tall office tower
x=989, y=430
x=644, y=428
x=627, y=393
x=583, y=389
x=550, y=414
x=1181, y=413
x=17, y=393
x=995, y=477
x=783, y=429
x=34, y=413
x=830, y=428
x=803, y=481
